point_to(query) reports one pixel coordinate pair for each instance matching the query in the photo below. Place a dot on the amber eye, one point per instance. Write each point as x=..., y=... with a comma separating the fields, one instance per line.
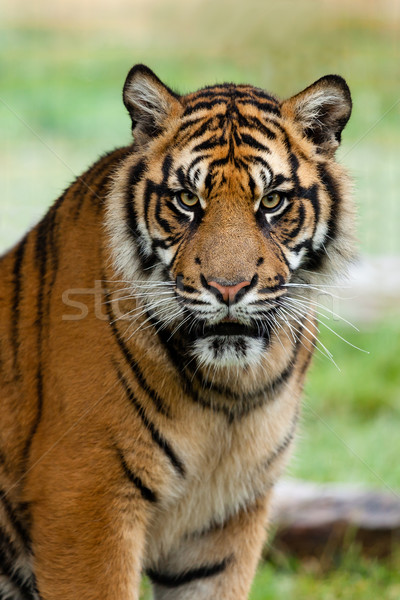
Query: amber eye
x=271, y=201
x=187, y=199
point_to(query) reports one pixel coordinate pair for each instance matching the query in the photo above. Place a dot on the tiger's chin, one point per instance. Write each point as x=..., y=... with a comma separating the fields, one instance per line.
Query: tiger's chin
x=224, y=351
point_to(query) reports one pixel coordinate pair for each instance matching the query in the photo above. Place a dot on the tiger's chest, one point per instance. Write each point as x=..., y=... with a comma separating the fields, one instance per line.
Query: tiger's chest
x=227, y=468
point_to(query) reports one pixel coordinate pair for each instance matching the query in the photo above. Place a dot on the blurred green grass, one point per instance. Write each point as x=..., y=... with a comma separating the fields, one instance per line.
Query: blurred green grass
x=351, y=417
x=62, y=67
x=353, y=578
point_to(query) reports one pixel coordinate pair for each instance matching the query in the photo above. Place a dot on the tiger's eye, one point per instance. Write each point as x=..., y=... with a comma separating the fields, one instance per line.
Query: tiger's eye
x=272, y=200
x=187, y=198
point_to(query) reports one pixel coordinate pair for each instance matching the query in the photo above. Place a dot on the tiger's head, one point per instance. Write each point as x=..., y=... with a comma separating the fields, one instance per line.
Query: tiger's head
x=229, y=199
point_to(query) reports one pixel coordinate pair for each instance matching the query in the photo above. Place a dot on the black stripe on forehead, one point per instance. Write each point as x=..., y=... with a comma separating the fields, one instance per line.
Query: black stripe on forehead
x=265, y=107
x=211, y=143
x=238, y=92
x=206, y=125
x=231, y=102
x=189, y=176
x=237, y=131
x=194, y=176
x=203, y=105
x=219, y=121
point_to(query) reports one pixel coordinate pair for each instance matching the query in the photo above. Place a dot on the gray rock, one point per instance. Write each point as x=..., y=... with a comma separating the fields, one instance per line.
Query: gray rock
x=309, y=518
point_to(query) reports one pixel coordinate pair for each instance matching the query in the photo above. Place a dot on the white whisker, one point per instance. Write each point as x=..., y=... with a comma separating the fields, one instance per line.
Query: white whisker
x=294, y=311
x=312, y=303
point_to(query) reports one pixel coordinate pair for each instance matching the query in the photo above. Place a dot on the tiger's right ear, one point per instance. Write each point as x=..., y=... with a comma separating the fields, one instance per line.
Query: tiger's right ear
x=149, y=102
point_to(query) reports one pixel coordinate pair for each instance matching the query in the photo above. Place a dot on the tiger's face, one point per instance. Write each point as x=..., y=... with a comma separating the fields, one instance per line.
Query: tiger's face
x=229, y=200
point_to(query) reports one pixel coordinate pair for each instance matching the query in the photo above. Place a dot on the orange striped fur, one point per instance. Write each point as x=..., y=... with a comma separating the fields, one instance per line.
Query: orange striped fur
x=156, y=328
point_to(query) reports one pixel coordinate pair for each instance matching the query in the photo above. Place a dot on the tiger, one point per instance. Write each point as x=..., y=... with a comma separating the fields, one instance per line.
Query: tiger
x=156, y=328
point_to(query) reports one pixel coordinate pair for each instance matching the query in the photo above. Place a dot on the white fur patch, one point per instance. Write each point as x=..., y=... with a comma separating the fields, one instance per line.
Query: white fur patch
x=295, y=258
x=309, y=108
x=228, y=351
x=146, y=98
x=320, y=235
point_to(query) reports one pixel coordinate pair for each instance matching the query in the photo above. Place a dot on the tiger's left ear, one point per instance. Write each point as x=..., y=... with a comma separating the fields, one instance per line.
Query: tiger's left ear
x=322, y=110
x=149, y=102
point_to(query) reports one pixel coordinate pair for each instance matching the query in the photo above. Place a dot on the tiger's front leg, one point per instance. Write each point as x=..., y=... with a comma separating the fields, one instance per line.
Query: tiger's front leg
x=89, y=525
x=215, y=564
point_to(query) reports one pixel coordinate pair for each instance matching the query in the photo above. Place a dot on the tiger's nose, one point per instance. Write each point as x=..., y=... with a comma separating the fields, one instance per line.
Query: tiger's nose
x=228, y=292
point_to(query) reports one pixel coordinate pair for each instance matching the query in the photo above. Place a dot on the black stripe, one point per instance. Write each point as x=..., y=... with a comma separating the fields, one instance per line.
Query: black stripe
x=135, y=176
x=17, y=297
x=167, y=242
x=14, y=520
x=258, y=92
x=175, y=256
x=178, y=579
x=201, y=130
x=219, y=162
x=45, y=247
x=317, y=257
x=164, y=224
x=278, y=179
x=146, y=492
x=3, y=461
x=41, y=261
x=7, y=548
x=196, y=176
x=300, y=222
x=255, y=124
x=257, y=159
x=210, y=92
x=195, y=161
x=182, y=178
x=284, y=444
x=190, y=123
x=155, y=434
x=252, y=185
x=212, y=142
x=149, y=190
x=333, y=191
x=230, y=91
x=311, y=194
x=166, y=168
x=280, y=255
x=8, y=559
x=208, y=105
x=263, y=106
x=209, y=182
x=133, y=364
x=53, y=249
x=264, y=96
x=186, y=288
x=251, y=141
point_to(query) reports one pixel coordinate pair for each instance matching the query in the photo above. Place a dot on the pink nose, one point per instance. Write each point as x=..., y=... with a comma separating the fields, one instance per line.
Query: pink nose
x=228, y=291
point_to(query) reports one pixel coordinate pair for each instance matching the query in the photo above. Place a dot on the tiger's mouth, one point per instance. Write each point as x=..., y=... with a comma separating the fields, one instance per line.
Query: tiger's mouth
x=230, y=328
